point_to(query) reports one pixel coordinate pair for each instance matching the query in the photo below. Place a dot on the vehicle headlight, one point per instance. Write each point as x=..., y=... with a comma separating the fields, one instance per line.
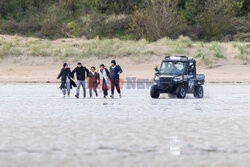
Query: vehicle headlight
x=179, y=78
x=157, y=79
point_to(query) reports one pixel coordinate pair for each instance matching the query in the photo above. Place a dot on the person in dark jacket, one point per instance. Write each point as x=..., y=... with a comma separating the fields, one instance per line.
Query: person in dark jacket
x=66, y=81
x=81, y=73
x=104, y=74
x=114, y=75
x=94, y=81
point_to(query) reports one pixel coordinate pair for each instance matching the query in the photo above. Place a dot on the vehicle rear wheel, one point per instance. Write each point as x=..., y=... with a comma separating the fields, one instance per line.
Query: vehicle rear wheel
x=155, y=94
x=181, y=92
x=198, y=92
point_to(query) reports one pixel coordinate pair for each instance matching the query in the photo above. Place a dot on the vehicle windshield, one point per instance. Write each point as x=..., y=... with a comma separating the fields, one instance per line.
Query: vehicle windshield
x=173, y=68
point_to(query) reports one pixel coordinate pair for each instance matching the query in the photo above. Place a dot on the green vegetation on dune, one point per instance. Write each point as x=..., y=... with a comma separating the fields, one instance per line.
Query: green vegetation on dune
x=244, y=52
x=206, y=53
x=206, y=20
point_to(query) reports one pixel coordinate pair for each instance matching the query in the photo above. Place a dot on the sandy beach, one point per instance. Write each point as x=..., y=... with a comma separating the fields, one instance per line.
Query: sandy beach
x=39, y=128
x=175, y=90
x=47, y=73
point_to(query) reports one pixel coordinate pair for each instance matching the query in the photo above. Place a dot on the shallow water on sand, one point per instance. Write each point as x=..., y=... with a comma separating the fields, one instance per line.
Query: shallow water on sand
x=38, y=128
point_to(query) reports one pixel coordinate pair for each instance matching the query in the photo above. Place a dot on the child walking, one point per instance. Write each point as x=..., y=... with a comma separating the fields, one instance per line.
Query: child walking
x=94, y=80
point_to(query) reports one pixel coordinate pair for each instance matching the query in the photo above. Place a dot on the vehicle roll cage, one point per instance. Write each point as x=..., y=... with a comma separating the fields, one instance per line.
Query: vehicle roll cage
x=189, y=60
x=179, y=58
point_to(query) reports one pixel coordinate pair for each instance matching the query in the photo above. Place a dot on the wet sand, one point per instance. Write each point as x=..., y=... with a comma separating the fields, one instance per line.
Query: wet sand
x=39, y=128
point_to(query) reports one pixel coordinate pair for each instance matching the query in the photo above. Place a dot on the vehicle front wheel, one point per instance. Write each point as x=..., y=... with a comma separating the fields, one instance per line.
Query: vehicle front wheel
x=181, y=92
x=198, y=92
x=155, y=94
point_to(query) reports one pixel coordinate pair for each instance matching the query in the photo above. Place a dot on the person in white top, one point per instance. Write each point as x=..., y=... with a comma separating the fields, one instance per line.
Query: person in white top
x=103, y=74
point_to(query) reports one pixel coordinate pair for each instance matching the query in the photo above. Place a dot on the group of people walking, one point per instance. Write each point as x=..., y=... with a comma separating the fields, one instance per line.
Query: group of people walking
x=92, y=78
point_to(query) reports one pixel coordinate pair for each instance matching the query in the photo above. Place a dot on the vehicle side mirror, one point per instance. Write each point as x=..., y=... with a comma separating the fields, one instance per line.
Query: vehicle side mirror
x=191, y=70
x=156, y=69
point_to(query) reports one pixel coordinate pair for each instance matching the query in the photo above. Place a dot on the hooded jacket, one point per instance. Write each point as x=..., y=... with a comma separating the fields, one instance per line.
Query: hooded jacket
x=81, y=73
x=113, y=71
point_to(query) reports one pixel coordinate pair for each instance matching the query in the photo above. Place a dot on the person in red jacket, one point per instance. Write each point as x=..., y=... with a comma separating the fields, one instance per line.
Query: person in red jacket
x=94, y=81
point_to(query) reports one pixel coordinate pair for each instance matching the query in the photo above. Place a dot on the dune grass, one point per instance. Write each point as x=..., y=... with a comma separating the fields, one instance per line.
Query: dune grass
x=244, y=52
x=207, y=54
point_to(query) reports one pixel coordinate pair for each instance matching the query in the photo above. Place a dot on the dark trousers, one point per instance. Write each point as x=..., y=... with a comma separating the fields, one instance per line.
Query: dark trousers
x=115, y=83
x=105, y=89
x=90, y=91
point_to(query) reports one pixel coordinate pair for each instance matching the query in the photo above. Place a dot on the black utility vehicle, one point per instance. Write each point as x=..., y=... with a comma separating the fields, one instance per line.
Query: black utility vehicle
x=177, y=77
